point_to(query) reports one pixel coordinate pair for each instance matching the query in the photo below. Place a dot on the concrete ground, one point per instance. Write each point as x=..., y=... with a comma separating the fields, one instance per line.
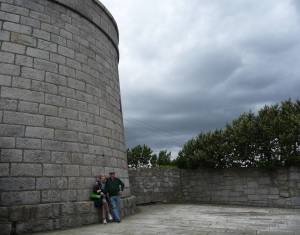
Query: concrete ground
x=198, y=219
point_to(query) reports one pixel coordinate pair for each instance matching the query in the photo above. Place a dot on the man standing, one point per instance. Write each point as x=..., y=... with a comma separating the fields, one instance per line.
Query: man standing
x=114, y=187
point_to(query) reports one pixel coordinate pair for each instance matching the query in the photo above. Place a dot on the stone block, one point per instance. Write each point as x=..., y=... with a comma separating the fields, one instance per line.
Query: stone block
x=66, y=51
x=77, y=183
x=46, y=109
x=66, y=71
x=77, y=126
x=56, y=122
x=54, y=145
x=15, y=9
x=86, y=117
x=19, y=28
x=56, y=79
x=4, y=35
x=85, y=138
x=43, y=183
x=23, y=39
x=26, y=169
x=69, y=195
x=51, y=196
x=33, y=73
x=52, y=170
x=5, y=16
x=39, y=132
x=70, y=170
x=11, y=130
x=59, y=59
x=5, y=80
x=55, y=100
x=22, y=94
x=37, y=156
x=17, y=183
x=97, y=170
x=40, y=16
x=73, y=83
x=85, y=170
x=28, y=107
x=9, y=69
x=44, y=87
x=28, y=143
x=45, y=65
x=47, y=46
x=7, y=142
x=41, y=34
x=66, y=91
x=61, y=157
x=11, y=155
x=66, y=135
x=24, y=60
x=4, y=171
x=30, y=22
x=20, y=82
x=58, y=39
x=83, y=194
x=23, y=118
x=67, y=113
x=59, y=183
x=5, y=228
x=73, y=64
x=6, y=57
x=50, y=28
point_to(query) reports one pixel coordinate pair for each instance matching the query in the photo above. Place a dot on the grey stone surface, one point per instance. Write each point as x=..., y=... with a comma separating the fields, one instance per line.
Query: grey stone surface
x=198, y=220
x=52, y=87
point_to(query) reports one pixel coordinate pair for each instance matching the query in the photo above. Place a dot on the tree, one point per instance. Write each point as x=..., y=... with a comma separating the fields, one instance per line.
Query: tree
x=139, y=156
x=270, y=138
x=164, y=158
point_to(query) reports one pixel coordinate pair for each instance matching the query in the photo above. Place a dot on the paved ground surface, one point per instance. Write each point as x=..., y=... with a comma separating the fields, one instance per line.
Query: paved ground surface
x=198, y=219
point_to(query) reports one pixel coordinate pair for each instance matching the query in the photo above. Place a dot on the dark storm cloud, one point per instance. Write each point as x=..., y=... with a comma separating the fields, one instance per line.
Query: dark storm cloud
x=192, y=66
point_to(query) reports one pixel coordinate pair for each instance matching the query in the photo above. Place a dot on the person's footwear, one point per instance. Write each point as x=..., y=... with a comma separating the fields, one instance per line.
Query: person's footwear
x=104, y=221
x=110, y=217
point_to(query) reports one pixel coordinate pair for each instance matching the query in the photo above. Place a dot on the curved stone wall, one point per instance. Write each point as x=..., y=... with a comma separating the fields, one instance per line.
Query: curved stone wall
x=60, y=112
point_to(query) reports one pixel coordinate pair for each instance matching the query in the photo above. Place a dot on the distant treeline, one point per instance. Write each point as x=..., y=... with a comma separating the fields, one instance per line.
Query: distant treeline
x=270, y=138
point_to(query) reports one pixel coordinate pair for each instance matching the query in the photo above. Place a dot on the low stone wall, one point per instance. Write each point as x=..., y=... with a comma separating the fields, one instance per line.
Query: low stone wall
x=251, y=187
x=155, y=185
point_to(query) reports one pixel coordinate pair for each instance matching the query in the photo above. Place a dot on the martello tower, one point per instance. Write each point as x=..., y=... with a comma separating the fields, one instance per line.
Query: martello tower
x=60, y=112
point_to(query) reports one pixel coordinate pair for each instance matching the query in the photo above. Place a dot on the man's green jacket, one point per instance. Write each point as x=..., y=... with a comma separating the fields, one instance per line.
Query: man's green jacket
x=114, y=186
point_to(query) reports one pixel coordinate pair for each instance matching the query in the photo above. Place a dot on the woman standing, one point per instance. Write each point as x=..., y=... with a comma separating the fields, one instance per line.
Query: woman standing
x=102, y=202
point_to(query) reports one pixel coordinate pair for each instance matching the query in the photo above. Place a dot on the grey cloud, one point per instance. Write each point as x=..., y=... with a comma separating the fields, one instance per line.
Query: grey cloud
x=192, y=66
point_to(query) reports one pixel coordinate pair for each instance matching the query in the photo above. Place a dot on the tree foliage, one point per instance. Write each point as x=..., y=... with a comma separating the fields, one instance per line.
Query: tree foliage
x=164, y=158
x=143, y=156
x=269, y=138
x=140, y=156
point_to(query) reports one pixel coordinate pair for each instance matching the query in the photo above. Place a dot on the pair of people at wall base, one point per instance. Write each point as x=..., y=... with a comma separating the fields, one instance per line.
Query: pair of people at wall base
x=106, y=194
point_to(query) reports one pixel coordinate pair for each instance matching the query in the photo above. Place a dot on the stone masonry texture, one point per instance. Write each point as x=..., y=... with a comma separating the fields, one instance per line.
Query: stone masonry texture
x=247, y=187
x=60, y=112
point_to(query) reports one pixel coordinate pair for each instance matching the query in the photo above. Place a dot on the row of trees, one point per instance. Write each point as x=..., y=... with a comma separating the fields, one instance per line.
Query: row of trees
x=270, y=138
x=143, y=156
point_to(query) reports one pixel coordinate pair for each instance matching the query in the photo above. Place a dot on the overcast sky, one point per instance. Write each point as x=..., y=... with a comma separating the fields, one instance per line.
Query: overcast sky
x=189, y=66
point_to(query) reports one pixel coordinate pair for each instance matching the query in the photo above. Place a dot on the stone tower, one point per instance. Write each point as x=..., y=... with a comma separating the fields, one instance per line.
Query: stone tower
x=60, y=112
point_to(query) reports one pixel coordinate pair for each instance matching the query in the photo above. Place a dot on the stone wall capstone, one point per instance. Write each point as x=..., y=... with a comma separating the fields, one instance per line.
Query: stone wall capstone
x=250, y=187
x=60, y=112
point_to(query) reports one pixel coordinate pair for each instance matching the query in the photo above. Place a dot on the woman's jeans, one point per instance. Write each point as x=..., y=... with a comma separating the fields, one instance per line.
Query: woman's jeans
x=115, y=207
